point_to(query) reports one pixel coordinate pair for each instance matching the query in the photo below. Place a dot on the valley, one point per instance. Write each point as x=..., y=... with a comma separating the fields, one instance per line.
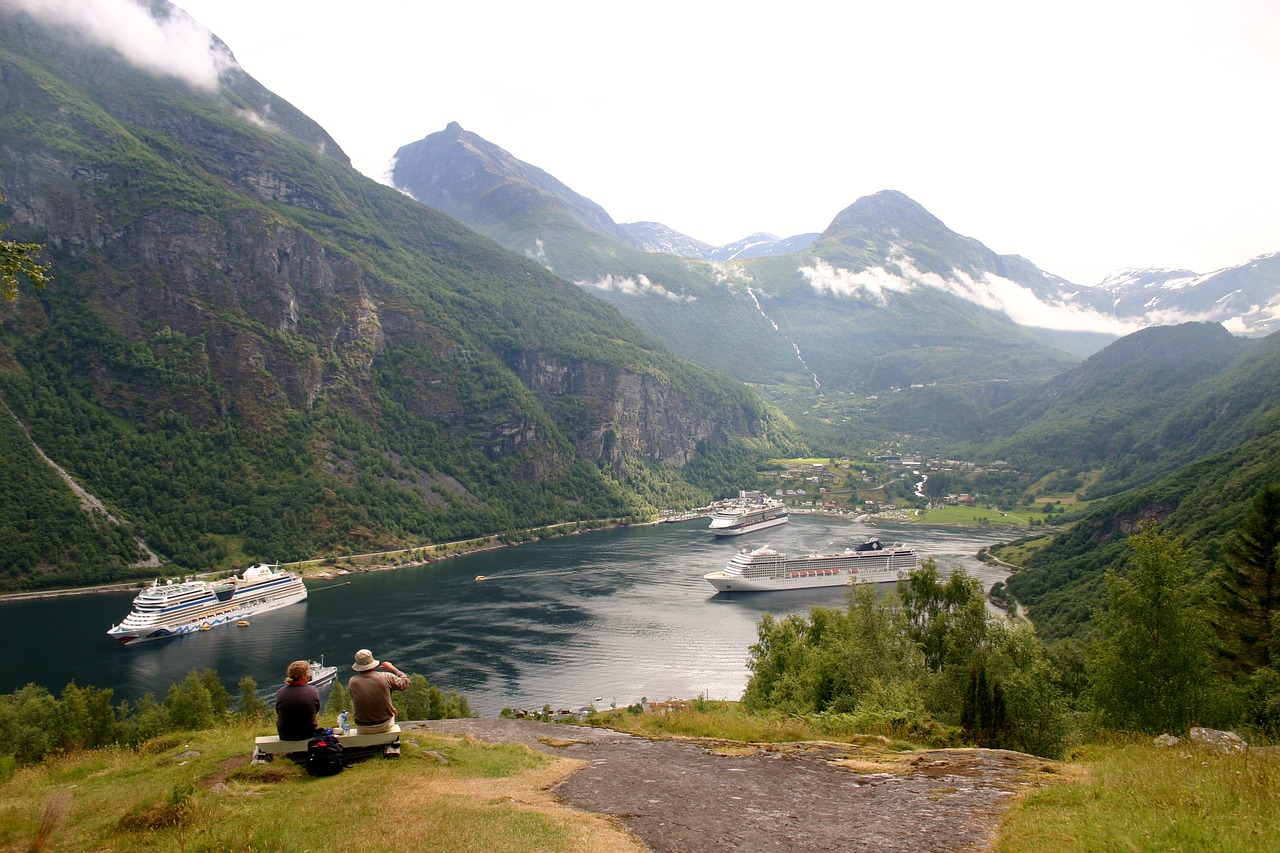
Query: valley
x=248, y=351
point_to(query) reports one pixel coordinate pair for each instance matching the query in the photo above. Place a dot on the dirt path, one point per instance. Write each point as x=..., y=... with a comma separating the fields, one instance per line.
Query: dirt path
x=687, y=796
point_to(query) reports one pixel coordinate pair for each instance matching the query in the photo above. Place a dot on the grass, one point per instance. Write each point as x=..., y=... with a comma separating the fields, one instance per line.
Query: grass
x=723, y=720
x=984, y=516
x=1018, y=554
x=1131, y=796
x=199, y=793
x=709, y=719
x=196, y=792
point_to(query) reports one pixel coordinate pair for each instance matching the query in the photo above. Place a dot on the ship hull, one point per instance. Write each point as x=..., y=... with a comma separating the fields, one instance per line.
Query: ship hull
x=734, y=583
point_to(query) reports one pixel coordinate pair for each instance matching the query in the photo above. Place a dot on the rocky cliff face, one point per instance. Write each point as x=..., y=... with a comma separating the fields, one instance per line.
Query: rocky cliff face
x=632, y=415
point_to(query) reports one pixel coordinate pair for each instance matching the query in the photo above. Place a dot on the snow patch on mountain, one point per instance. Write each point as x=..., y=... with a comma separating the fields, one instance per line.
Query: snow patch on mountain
x=1146, y=278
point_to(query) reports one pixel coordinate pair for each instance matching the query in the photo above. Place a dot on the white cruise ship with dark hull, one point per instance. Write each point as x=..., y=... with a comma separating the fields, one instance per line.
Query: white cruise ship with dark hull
x=765, y=570
x=752, y=511
x=172, y=609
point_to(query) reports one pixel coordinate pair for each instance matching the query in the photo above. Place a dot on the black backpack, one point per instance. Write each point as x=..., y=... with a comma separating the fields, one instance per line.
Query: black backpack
x=324, y=754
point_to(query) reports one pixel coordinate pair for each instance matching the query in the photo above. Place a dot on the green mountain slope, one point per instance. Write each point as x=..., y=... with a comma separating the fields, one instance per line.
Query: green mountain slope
x=1201, y=503
x=250, y=351
x=1108, y=411
x=1193, y=468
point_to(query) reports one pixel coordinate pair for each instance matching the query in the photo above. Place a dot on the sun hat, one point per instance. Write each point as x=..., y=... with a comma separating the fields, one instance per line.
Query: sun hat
x=297, y=671
x=364, y=660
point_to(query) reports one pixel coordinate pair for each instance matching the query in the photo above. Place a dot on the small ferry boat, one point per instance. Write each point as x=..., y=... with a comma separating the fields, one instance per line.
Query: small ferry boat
x=170, y=609
x=765, y=569
x=322, y=674
x=751, y=511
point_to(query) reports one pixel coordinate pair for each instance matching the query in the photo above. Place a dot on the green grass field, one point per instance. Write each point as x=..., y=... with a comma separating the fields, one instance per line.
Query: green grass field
x=196, y=792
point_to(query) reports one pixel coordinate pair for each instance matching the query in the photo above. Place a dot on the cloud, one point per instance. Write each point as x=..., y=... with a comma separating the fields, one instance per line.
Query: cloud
x=731, y=274
x=638, y=286
x=1017, y=302
x=177, y=46
x=539, y=256
x=870, y=284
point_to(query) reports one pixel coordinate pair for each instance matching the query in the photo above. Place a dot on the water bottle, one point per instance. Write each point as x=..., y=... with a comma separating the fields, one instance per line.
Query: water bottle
x=342, y=723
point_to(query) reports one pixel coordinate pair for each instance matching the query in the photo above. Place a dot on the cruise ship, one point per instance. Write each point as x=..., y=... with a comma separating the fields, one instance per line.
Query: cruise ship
x=752, y=511
x=765, y=569
x=171, y=609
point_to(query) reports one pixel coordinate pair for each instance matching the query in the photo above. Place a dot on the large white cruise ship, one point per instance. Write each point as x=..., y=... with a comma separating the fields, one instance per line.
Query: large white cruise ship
x=752, y=511
x=765, y=569
x=171, y=609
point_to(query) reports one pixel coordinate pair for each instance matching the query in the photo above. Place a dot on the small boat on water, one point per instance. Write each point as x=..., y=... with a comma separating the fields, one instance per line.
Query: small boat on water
x=322, y=674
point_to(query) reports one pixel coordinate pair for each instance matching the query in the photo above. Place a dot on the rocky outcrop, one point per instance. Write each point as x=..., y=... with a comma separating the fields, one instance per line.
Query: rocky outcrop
x=617, y=414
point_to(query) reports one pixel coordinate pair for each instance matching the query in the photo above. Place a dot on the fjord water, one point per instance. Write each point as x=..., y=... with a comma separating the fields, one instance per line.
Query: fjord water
x=606, y=617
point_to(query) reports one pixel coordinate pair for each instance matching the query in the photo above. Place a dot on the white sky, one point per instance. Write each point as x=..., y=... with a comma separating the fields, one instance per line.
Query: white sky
x=1086, y=136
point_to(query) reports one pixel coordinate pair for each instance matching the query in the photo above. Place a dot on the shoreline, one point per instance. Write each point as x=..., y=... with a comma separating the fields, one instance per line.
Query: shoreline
x=328, y=568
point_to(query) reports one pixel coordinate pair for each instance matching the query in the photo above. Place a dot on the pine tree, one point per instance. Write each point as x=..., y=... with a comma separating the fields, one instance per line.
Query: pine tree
x=1248, y=601
x=983, y=713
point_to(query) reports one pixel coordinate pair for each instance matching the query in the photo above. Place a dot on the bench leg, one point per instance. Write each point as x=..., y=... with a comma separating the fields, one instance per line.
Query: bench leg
x=392, y=750
x=260, y=757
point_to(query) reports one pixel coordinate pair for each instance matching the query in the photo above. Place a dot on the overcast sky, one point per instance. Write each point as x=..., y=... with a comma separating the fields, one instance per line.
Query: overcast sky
x=1086, y=136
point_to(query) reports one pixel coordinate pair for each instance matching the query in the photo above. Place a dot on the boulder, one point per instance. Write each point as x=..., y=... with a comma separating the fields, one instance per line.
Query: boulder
x=1223, y=741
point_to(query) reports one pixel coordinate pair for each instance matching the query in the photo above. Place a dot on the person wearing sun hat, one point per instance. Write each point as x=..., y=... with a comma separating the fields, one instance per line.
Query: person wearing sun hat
x=371, y=693
x=297, y=703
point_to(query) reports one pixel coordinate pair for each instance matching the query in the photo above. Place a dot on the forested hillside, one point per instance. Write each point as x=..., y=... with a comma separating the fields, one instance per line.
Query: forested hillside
x=1172, y=426
x=248, y=351
x=1200, y=504
x=1109, y=411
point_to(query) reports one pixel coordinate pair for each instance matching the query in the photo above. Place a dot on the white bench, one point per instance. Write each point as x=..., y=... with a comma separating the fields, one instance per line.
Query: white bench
x=268, y=746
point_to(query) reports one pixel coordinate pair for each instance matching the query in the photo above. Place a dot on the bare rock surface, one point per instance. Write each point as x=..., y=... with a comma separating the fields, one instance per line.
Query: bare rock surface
x=702, y=795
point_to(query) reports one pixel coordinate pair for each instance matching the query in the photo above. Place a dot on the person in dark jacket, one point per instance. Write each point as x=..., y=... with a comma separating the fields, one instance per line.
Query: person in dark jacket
x=297, y=704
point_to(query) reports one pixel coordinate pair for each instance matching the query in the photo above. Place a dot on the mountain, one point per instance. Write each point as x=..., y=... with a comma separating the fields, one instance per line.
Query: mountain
x=656, y=237
x=495, y=193
x=759, y=245
x=1186, y=426
x=885, y=298
x=249, y=351
x=1144, y=407
x=1061, y=583
x=1110, y=407
x=1245, y=298
x=881, y=251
